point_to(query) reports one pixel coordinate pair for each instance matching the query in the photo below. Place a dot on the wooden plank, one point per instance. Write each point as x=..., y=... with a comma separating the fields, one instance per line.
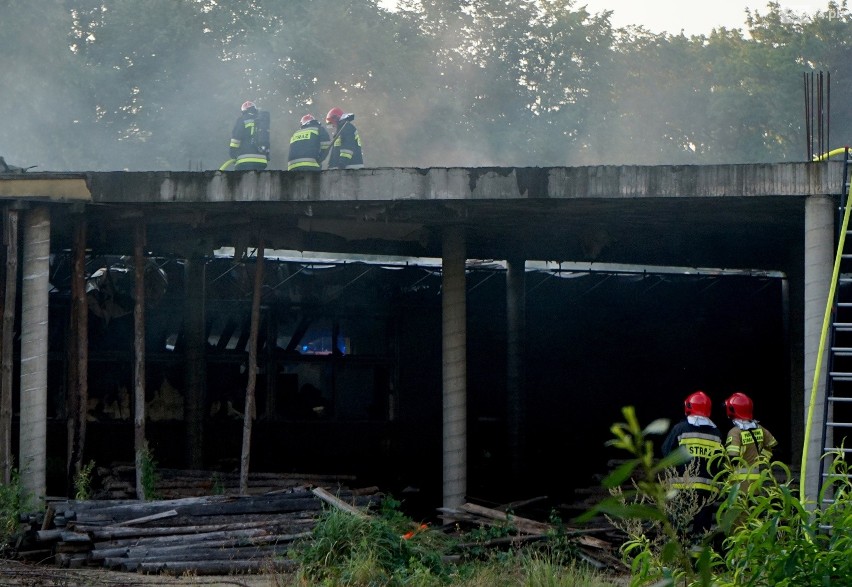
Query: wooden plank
x=338, y=503
x=182, y=539
x=151, y=518
x=524, y=525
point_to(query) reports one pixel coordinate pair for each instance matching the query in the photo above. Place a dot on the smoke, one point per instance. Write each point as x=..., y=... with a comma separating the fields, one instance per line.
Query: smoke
x=130, y=89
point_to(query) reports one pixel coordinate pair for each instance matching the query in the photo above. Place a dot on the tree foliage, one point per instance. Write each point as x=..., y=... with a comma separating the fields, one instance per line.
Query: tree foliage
x=157, y=84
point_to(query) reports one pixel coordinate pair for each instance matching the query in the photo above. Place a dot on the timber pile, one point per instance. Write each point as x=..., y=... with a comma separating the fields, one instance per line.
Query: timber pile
x=119, y=482
x=601, y=554
x=207, y=535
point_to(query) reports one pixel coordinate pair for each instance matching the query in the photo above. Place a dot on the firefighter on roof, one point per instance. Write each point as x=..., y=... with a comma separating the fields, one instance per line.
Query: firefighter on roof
x=346, y=150
x=308, y=146
x=249, y=146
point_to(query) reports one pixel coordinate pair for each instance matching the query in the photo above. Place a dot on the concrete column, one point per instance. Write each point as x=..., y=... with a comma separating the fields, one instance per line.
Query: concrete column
x=454, y=353
x=515, y=345
x=34, y=299
x=819, y=265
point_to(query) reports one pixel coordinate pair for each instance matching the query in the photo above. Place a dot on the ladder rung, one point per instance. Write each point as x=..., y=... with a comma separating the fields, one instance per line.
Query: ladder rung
x=835, y=475
x=836, y=449
x=842, y=350
x=843, y=326
x=839, y=424
x=834, y=398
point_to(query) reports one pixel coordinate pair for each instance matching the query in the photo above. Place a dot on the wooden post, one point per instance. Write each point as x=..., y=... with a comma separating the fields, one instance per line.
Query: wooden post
x=515, y=379
x=10, y=239
x=77, y=390
x=196, y=370
x=249, y=414
x=139, y=443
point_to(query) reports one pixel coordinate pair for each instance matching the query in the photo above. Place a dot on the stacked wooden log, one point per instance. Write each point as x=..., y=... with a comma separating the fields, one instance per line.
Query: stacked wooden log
x=206, y=535
x=118, y=481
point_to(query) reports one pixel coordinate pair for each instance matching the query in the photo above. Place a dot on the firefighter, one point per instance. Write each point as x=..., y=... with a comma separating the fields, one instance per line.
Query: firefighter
x=346, y=150
x=703, y=441
x=249, y=146
x=749, y=445
x=308, y=146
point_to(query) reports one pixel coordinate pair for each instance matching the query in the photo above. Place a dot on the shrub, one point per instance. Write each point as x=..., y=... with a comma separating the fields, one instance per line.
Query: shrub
x=771, y=537
x=776, y=539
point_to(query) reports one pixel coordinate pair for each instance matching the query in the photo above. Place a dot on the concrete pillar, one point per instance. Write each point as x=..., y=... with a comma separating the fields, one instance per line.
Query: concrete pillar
x=515, y=345
x=454, y=353
x=34, y=299
x=819, y=265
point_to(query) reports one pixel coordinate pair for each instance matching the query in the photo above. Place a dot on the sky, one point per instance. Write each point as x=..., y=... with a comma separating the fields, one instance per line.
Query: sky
x=692, y=17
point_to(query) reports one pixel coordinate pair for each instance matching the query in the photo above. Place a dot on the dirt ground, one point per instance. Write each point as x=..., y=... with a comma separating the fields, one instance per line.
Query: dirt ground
x=23, y=574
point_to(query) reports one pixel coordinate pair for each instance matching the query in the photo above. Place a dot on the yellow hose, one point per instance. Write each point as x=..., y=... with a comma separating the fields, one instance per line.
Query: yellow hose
x=831, y=153
x=826, y=321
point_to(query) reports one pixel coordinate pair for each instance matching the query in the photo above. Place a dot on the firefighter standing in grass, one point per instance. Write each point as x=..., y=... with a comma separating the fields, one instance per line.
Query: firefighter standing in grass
x=702, y=439
x=249, y=147
x=346, y=150
x=308, y=146
x=749, y=444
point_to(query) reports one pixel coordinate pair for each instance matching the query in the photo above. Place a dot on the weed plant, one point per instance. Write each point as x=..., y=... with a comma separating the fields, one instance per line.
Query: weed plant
x=13, y=503
x=83, y=482
x=150, y=476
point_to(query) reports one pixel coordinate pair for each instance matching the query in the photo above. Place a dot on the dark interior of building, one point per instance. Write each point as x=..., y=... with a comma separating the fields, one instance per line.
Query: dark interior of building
x=350, y=373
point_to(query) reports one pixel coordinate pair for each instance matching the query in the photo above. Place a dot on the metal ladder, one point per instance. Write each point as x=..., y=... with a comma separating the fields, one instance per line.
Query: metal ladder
x=837, y=416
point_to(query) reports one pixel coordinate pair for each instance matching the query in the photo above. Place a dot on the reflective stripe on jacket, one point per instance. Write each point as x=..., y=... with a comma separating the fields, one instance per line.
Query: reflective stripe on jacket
x=704, y=445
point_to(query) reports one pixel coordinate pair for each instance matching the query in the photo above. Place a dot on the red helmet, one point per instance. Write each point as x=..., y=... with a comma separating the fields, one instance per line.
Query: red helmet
x=247, y=105
x=697, y=404
x=306, y=119
x=333, y=116
x=739, y=406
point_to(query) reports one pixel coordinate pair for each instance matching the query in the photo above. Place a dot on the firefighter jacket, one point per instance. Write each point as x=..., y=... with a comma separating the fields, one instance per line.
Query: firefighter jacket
x=704, y=443
x=346, y=151
x=750, y=446
x=308, y=147
x=244, y=147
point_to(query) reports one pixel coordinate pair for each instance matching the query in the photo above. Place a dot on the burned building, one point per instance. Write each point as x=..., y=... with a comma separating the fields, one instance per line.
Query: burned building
x=461, y=331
